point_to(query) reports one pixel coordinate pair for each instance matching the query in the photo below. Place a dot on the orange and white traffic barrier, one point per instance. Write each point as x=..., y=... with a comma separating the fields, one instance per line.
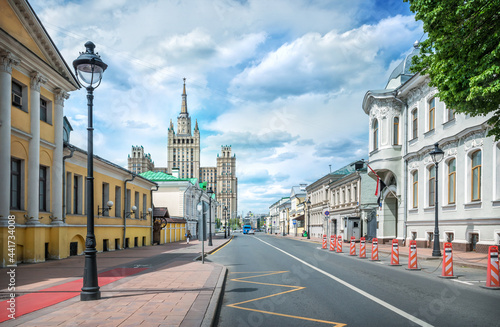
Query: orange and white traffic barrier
x=412, y=259
x=448, y=261
x=375, y=249
x=339, y=244
x=324, y=241
x=395, y=253
x=362, y=248
x=332, y=242
x=492, y=278
x=352, y=247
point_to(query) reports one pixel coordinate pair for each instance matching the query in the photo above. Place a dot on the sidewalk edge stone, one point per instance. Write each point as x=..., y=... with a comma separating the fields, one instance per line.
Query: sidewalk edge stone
x=215, y=301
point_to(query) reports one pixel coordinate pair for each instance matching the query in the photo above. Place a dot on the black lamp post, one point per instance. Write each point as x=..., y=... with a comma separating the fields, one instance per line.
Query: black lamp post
x=89, y=69
x=284, y=221
x=225, y=218
x=437, y=155
x=308, y=202
x=210, y=192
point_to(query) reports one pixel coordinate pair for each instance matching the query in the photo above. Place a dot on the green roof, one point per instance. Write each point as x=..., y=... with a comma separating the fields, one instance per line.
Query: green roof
x=164, y=177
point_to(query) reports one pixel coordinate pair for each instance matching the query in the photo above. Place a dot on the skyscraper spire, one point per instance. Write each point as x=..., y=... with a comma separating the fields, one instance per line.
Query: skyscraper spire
x=184, y=99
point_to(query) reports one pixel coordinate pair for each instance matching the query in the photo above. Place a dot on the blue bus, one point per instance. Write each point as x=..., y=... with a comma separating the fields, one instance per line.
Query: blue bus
x=246, y=228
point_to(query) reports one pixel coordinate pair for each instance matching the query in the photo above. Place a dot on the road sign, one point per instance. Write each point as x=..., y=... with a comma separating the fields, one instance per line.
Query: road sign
x=327, y=213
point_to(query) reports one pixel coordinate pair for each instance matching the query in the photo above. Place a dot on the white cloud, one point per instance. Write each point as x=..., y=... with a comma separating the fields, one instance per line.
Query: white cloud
x=281, y=81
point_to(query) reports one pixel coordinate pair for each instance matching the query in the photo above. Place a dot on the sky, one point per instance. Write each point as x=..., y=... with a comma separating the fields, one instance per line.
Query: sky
x=281, y=81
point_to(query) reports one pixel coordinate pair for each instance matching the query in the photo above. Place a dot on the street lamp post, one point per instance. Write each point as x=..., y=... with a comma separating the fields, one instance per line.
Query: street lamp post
x=437, y=155
x=210, y=192
x=284, y=221
x=89, y=69
x=308, y=202
x=225, y=219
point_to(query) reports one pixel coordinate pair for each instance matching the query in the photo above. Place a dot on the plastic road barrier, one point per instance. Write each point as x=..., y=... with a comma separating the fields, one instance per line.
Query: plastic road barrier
x=375, y=249
x=339, y=244
x=352, y=247
x=324, y=241
x=412, y=259
x=395, y=253
x=362, y=248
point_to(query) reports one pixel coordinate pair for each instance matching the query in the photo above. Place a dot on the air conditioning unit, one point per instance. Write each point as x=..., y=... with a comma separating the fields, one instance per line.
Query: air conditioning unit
x=17, y=100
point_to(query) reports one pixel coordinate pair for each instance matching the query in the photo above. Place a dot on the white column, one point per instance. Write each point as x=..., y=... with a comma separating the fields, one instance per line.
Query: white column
x=34, y=149
x=57, y=163
x=6, y=62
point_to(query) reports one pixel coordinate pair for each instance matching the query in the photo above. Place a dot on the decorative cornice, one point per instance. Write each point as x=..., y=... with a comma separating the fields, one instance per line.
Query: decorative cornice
x=60, y=96
x=7, y=60
x=36, y=80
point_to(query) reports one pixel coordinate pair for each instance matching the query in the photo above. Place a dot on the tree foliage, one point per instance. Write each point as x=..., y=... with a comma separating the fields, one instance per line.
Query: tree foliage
x=462, y=54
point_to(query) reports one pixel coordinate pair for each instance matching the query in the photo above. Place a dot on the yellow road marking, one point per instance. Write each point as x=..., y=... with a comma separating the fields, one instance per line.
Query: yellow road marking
x=295, y=288
x=222, y=246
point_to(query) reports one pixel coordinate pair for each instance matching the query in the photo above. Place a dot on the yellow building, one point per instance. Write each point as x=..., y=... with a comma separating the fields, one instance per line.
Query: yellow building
x=41, y=191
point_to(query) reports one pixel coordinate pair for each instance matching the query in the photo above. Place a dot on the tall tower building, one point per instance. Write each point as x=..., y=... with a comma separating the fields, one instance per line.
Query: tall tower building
x=138, y=161
x=227, y=184
x=183, y=149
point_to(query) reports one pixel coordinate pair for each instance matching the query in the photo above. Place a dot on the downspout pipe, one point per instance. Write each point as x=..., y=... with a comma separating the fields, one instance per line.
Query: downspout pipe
x=125, y=208
x=72, y=149
x=405, y=174
x=152, y=212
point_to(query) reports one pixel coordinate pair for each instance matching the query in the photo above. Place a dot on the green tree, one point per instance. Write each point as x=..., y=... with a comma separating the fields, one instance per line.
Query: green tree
x=462, y=54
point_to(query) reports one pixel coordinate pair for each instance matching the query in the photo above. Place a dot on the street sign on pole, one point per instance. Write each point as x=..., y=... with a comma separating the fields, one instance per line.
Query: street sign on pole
x=327, y=213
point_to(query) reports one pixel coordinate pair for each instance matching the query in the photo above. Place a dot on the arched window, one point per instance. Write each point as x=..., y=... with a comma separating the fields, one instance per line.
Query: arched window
x=476, y=176
x=415, y=188
x=452, y=168
x=432, y=114
x=375, y=134
x=432, y=185
x=414, y=123
x=396, y=131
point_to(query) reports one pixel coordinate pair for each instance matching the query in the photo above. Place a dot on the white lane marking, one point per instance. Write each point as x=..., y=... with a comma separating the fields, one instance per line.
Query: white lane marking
x=354, y=288
x=461, y=281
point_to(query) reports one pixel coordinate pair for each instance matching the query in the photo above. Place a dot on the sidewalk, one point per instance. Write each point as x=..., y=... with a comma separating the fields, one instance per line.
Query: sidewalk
x=160, y=285
x=460, y=258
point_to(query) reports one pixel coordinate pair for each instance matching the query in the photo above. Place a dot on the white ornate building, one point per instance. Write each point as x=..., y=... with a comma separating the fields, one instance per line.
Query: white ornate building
x=406, y=120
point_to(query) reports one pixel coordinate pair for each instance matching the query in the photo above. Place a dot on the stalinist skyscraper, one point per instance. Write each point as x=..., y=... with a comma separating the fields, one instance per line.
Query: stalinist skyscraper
x=184, y=147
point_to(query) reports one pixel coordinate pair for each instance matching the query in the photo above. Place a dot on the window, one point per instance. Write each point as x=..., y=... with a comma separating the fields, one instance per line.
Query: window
x=476, y=176
x=451, y=181
x=432, y=114
x=17, y=95
x=77, y=194
x=396, y=131
x=137, y=205
x=415, y=189
x=15, y=184
x=43, y=111
x=42, y=188
x=144, y=205
x=118, y=201
x=105, y=198
x=432, y=186
x=414, y=123
x=375, y=134
x=450, y=113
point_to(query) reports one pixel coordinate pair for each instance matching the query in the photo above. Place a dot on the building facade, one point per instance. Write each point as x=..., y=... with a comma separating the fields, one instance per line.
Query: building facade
x=183, y=149
x=41, y=177
x=296, y=213
x=352, y=204
x=227, y=184
x=406, y=120
x=181, y=196
x=208, y=175
x=138, y=161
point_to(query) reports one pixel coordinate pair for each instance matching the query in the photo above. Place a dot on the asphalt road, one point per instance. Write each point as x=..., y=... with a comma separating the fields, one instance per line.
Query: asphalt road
x=276, y=281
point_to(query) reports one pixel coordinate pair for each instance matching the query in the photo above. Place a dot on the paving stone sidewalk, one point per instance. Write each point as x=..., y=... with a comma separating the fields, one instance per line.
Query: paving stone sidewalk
x=182, y=292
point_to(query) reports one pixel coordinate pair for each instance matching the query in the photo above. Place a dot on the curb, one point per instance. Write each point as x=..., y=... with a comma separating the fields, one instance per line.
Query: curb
x=214, y=249
x=215, y=300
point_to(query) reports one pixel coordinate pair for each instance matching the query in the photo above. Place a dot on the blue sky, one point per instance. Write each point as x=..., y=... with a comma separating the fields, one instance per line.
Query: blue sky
x=280, y=81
